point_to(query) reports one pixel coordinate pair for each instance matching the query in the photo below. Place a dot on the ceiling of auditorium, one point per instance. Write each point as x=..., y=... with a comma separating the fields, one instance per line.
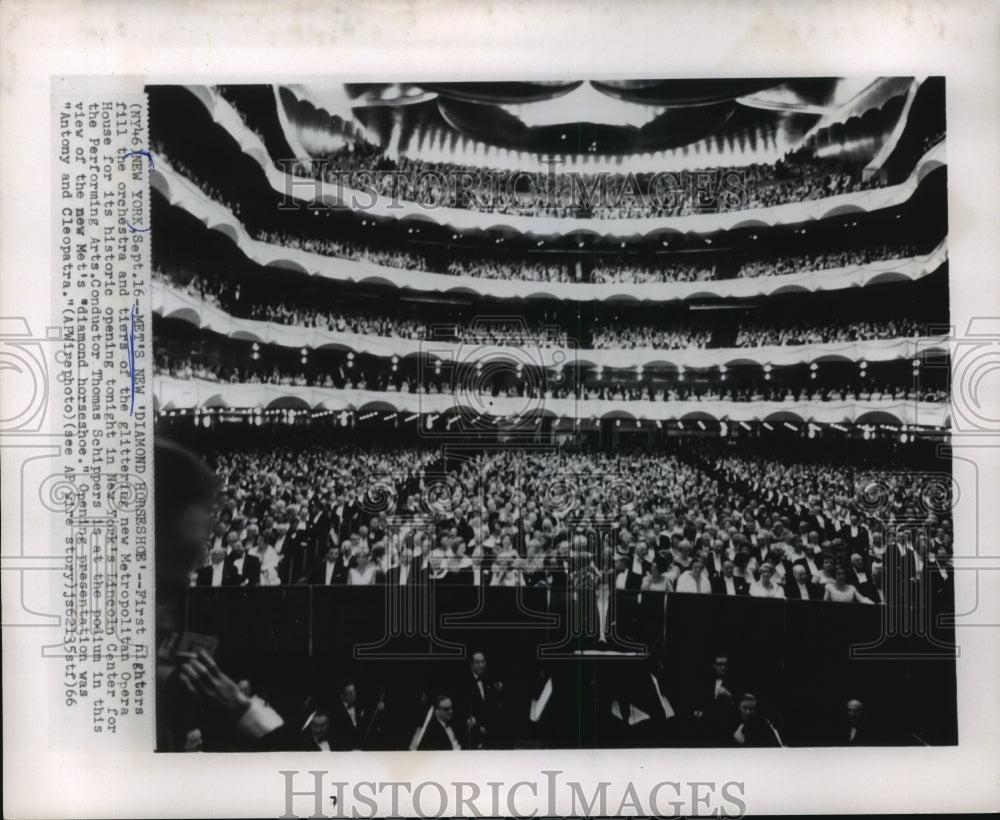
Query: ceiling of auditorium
x=756, y=119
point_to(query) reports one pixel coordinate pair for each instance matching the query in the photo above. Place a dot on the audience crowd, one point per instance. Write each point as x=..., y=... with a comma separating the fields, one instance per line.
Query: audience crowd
x=590, y=385
x=687, y=522
x=402, y=324
x=779, y=266
x=623, y=270
x=601, y=195
x=774, y=332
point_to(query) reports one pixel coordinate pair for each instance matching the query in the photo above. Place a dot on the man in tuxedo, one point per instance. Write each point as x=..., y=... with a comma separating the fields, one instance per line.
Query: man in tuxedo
x=439, y=736
x=219, y=573
x=941, y=580
x=818, y=522
x=639, y=565
x=754, y=730
x=480, y=705
x=856, y=732
x=874, y=588
x=855, y=535
x=332, y=571
x=901, y=570
x=317, y=735
x=317, y=527
x=728, y=584
x=218, y=539
x=246, y=565
x=799, y=587
x=760, y=552
x=857, y=573
x=401, y=574
x=288, y=545
x=716, y=559
x=348, y=721
x=346, y=515
x=715, y=715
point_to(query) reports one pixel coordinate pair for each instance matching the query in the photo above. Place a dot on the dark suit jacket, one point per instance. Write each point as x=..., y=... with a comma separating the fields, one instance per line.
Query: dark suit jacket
x=942, y=591
x=307, y=744
x=792, y=590
x=865, y=736
x=230, y=577
x=758, y=735
x=340, y=571
x=813, y=522
x=390, y=577
x=710, y=567
x=292, y=565
x=719, y=586
x=318, y=525
x=461, y=577
x=344, y=735
x=485, y=709
x=435, y=738
x=903, y=568
x=869, y=590
x=251, y=568
x=344, y=519
x=855, y=543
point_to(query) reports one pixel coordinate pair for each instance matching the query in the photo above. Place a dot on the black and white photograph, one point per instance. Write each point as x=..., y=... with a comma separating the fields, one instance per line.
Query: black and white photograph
x=555, y=414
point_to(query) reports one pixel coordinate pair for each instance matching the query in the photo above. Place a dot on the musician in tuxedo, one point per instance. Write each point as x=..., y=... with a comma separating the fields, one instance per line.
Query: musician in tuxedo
x=799, y=588
x=728, y=584
x=349, y=721
x=856, y=731
x=480, y=706
x=714, y=713
x=439, y=734
x=219, y=573
x=316, y=737
x=246, y=565
x=754, y=730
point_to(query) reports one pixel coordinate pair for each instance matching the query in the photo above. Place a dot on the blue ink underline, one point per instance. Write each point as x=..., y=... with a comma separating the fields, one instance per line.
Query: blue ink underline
x=130, y=339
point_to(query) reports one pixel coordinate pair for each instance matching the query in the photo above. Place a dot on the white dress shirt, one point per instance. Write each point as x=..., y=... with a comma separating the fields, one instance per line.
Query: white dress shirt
x=688, y=583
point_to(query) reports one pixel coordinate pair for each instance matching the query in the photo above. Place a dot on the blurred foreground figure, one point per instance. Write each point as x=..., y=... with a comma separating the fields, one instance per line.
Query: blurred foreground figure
x=193, y=693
